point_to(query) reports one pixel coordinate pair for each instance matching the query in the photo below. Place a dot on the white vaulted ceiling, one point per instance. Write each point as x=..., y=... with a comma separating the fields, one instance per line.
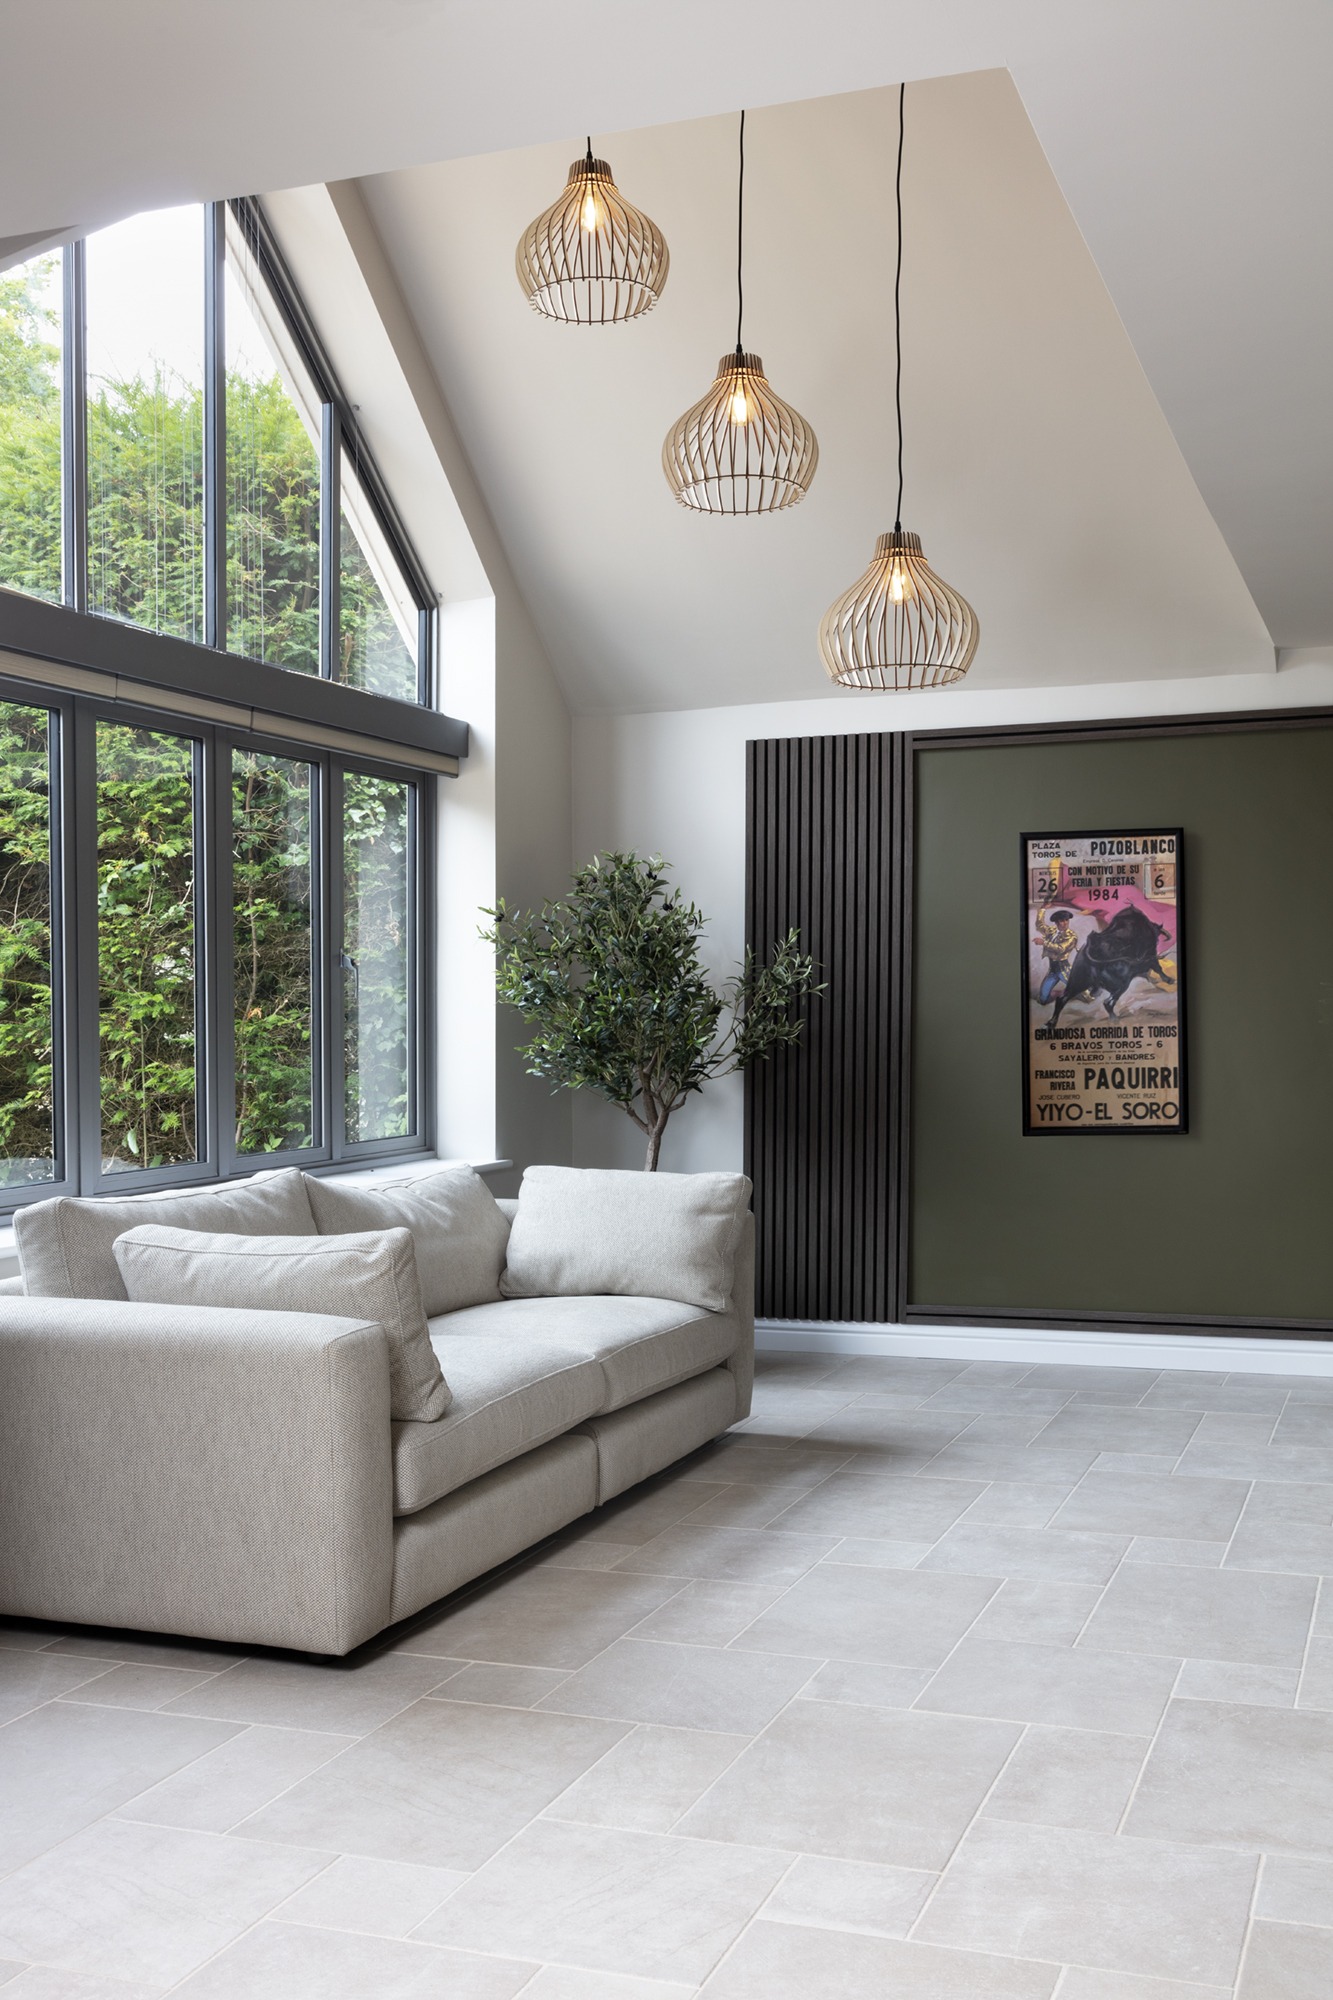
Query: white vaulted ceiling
x=1120, y=430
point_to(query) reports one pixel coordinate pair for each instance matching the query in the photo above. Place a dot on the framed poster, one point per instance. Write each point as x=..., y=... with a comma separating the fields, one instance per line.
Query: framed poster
x=1103, y=1016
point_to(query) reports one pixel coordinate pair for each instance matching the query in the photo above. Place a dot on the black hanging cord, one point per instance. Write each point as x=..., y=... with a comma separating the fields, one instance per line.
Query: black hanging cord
x=588, y=161
x=740, y=243
x=897, y=312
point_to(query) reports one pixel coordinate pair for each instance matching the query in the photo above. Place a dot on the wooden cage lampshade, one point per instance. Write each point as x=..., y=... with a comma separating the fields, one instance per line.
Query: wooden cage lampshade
x=899, y=626
x=740, y=449
x=592, y=258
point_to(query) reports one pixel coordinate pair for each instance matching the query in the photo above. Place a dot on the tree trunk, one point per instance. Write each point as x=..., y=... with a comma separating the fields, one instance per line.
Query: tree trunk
x=654, y=1145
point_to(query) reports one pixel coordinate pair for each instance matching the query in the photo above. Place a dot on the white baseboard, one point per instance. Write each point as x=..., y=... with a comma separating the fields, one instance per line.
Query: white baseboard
x=1237, y=1353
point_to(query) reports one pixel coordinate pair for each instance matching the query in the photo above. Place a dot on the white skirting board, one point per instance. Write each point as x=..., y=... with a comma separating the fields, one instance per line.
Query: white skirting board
x=1241, y=1354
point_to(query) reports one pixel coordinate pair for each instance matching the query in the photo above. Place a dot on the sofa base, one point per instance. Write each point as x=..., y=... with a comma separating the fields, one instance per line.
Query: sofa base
x=468, y=1532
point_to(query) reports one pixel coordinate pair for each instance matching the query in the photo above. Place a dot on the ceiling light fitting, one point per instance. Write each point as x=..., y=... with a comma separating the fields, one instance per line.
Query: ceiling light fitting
x=740, y=449
x=592, y=258
x=899, y=626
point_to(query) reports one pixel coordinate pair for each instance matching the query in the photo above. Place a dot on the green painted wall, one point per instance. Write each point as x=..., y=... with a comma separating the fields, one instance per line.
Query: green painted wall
x=1236, y=1216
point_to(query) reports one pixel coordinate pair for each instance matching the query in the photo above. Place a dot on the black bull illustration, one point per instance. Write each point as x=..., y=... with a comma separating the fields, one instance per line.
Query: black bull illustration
x=1109, y=960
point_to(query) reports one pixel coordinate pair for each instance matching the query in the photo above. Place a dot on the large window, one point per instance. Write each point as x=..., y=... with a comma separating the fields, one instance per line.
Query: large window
x=177, y=454
x=211, y=952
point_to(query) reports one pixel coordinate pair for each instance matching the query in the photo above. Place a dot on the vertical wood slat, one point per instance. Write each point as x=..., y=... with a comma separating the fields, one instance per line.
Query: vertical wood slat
x=824, y=854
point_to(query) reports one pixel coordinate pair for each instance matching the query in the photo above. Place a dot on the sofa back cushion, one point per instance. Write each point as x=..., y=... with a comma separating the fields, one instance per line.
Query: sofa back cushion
x=67, y=1246
x=370, y=1277
x=662, y=1236
x=457, y=1227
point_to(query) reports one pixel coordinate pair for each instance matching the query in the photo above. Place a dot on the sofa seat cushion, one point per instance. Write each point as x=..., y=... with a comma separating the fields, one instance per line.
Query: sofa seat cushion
x=643, y=1345
x=509, y=1395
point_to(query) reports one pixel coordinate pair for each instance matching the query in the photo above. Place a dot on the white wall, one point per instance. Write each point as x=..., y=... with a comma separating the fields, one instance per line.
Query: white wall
x=674, y=784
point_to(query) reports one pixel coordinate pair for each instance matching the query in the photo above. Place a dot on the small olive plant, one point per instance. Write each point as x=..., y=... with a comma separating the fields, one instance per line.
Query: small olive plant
x=609, y=979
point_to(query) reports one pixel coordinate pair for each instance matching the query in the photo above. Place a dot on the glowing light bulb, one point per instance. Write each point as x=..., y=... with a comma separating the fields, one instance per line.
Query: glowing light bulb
x=740, y=406
x=592, y=214
x=900, y=583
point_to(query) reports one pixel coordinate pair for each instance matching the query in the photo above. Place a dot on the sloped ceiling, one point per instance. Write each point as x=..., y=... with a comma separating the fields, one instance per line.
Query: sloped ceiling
x=1040, y=470
x=1190, y=138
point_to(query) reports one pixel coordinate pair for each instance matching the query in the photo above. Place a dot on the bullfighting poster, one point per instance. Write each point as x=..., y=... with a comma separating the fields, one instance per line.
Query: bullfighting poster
x=1104, y=1022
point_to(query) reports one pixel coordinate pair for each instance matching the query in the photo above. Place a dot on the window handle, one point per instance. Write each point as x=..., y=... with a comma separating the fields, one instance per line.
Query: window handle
x=349, y=965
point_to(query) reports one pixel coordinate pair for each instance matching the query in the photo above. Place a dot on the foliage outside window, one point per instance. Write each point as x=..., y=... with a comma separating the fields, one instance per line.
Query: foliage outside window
x=27, y=1112
x=30, y=427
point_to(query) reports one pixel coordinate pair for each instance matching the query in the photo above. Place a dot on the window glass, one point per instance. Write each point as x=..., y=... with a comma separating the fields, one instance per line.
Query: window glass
x=272, y=799
x=146, y=947
x=30, y=427
x=273, y=444
x=145, y=319
x=27, y=1121
x=378, y=613
x=376, y=956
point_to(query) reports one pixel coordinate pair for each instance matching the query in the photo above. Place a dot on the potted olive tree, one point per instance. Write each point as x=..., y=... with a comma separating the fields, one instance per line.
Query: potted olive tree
x=610, y=982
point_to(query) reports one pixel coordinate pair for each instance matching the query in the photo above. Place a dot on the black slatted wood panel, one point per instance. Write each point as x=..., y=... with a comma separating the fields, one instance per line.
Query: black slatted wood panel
x=826, y=852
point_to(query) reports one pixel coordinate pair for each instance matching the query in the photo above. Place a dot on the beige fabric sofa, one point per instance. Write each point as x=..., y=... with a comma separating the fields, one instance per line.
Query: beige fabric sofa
x=234, y=1474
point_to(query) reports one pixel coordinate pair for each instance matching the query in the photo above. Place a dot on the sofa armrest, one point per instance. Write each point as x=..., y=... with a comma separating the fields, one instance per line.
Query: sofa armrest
x=11, y=1288
x=195, y=1469
x=741, y=1363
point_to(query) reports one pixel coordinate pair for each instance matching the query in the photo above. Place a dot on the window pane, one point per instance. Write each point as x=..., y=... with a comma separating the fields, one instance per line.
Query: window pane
x=145, y=947
x=271, y=808
x=378, y=613
x=27, y=1122
x=376, y=956
x=145, y=310
x=273, y=429
x=30, y=427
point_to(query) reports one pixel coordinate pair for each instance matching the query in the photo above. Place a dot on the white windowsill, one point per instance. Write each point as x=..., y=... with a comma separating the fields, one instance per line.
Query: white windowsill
x=9, y=1263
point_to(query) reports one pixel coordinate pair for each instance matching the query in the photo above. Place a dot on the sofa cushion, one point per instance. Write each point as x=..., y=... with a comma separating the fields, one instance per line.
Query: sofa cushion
x=370, y=1277
x=509, y=1395
x=66, y=1250
x=459, y=1232
x=579, y=1231
x=643, y=1345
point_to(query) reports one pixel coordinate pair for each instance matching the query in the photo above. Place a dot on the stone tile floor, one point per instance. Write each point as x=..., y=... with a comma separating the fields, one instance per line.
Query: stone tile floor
x=937, y=1681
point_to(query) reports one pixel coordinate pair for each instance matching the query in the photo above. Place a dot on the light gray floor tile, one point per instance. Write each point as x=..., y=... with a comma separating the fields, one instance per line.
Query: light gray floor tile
x=345, y=1699
x=1288, y=1548
x=648, y=1779
x=503, y=1687
x=1016, y=1504
x=1287, y=1962
x=1067, y=1686
x=865, y=1372
x=132, y=1649
x=1145, y=1503
x=708, y=1613
x=906, y=1434
x=1296, y=1892
x=51, y=1982
x=757, y=1555
x=1219, y=1458
x=682, y=1687
x=1011, y=1428
x=1026, y=1464
x=25, y=1635
x=444, y=1784
x=9, y=1969
x=1059, y=1553
x=1190, y=1555
x=1204, y=1614
x=1043, y=1613
x=1081, y=1984
x=647, y=1904
x=999, y=1397
x=869, y=1687
x=575, y=1554
x=759, y=1462
x=1248, y=1432
x=851, y=1553
x=1068, y=1777
x=869, y=1784
x=742, y=1506
x=139, y=1687
x=896, y=1510
x=1226, y=1680
x=225, y=1785
x=849, y=1896
x=887, y=1618
x=1182, y=1390
x=294, y=1962
x=794, y=1413
x=1121, y=1905
x=1305, y=1424
x=643, y=1512
x=1234, y=1775
x=382, y=1898
x=798, y=1962
x=543, y=1618
x=1316, y=1688
x=27, y=1679
x=796, y=1367
x=144, y=1902
x=63, y=1767
x=1086, y=1381
x=1113, y=1429
x=997, y=1371
x=570, y=1982
x=1311, y=1505
x=1137, y=1461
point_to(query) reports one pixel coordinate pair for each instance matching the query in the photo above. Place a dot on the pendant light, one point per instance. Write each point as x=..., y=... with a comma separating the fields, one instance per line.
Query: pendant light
x=741, y=450
x=592, y=258
x=899, y=626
